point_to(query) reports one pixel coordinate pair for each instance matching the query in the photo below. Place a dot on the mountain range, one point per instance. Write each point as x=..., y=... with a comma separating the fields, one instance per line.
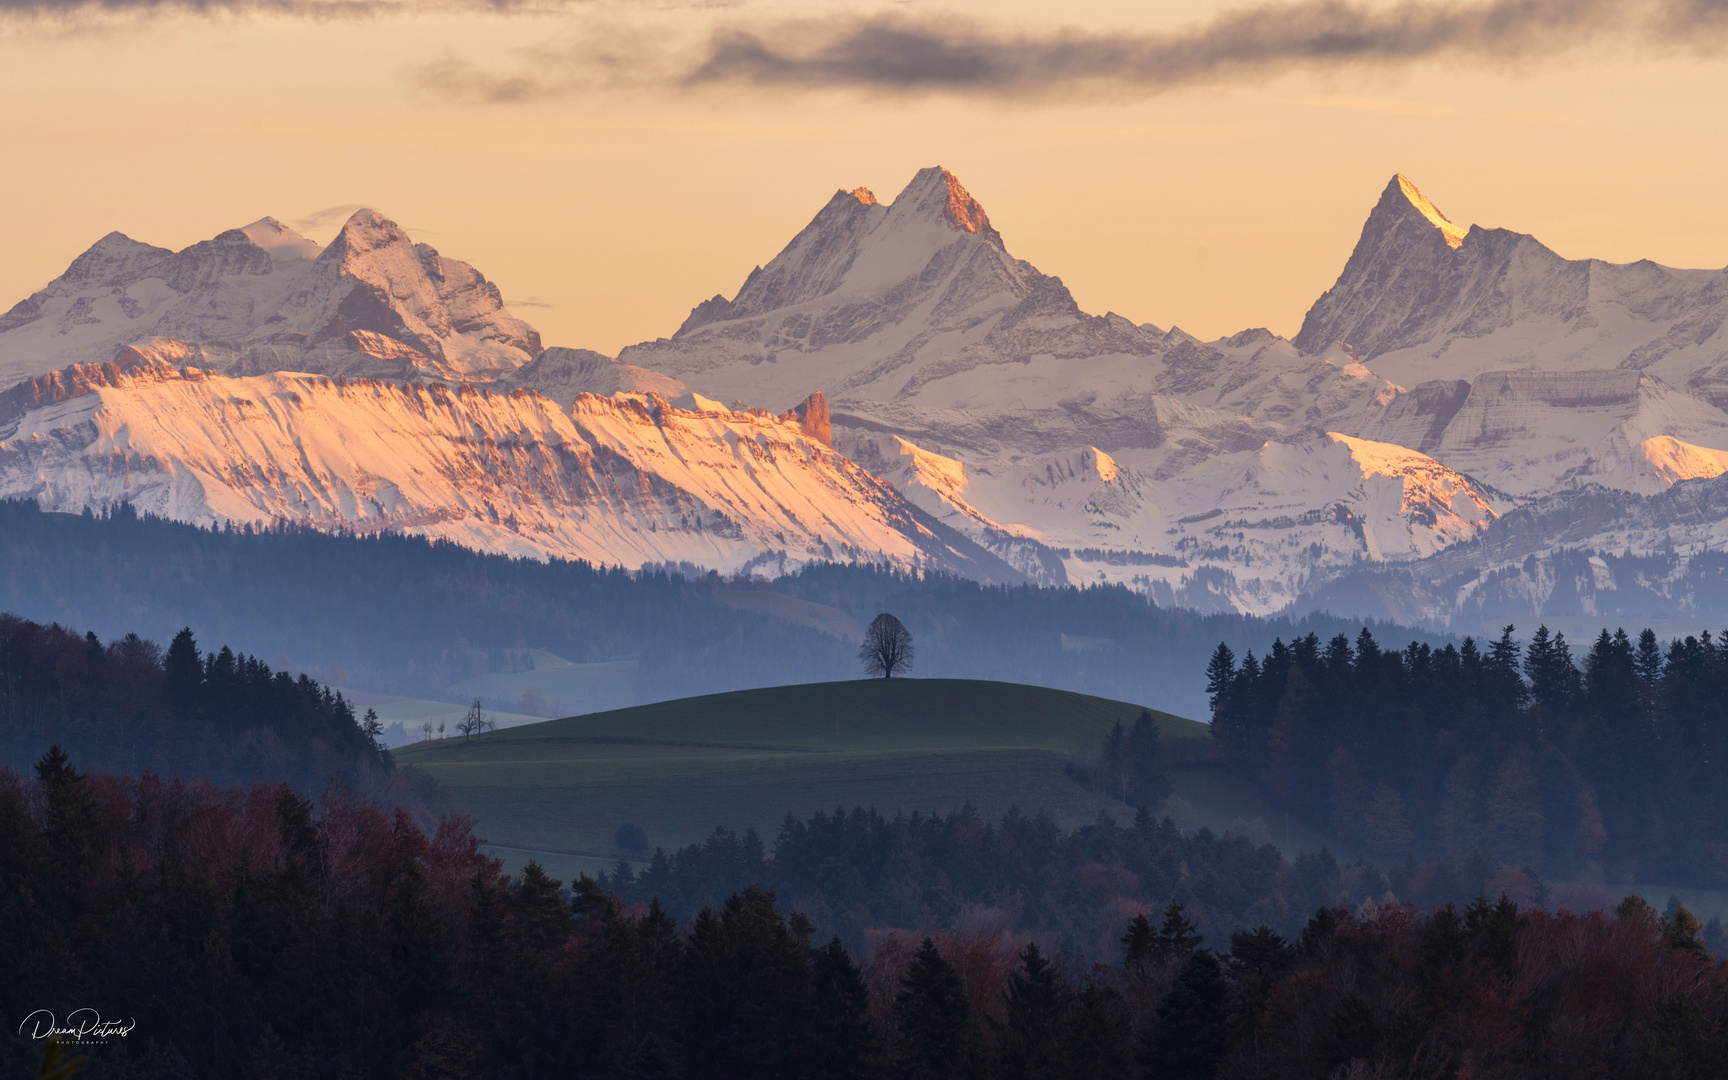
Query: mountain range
x=895, y=386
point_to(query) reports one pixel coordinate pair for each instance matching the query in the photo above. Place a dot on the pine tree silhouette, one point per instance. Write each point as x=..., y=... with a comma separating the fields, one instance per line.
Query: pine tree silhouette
x=931, y=1016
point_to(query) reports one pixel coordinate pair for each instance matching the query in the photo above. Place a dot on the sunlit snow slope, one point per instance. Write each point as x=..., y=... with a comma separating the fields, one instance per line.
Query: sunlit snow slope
x=622, y=480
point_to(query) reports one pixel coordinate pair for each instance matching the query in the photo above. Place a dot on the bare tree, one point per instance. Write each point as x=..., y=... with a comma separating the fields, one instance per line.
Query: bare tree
x=426, y=729
x=887, y=647
x=475, y=721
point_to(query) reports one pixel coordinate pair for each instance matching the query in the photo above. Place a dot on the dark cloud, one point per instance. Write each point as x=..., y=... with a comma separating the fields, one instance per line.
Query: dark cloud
x=889, y=53
x=913, y=54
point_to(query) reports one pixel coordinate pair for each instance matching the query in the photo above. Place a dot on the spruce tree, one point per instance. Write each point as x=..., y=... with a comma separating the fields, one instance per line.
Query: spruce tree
x=1221, y=685
x=648, y=1060
x=1035, y=1006
x=746, y=980
x=1149, y=766
x=1647, y=661
x=185, y=669
x=1139, y=942
x=1258, y=959
x=931, y=1018
x=1177, y=937
x=69, y=821
x=1098, y=1042
x=1192, y=1030
x=1116, y=763
x=840, y=1043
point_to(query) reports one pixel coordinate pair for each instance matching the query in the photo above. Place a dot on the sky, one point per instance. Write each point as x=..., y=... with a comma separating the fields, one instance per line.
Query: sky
x=611, y=163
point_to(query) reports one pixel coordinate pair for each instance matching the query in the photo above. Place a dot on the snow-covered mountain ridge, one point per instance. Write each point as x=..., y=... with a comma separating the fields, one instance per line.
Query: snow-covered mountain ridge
x=627, y=479
x=976, y=384
x=264, y=298
x=1452, y=380
x=1572, y=559
x=1419, y=302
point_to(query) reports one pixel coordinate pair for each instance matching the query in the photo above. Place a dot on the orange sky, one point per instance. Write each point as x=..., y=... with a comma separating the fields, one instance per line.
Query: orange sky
x=1214, y=208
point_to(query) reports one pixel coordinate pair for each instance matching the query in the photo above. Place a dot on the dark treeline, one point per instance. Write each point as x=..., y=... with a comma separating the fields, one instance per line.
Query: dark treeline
x=856, y=873
x=1615, y=768
x=244, y=933
x=405, y=615
x=129, y=705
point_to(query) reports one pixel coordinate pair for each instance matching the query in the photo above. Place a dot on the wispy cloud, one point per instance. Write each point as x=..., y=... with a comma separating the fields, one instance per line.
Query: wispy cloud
x=72, y=11
x=325, y=218
x=950, y=54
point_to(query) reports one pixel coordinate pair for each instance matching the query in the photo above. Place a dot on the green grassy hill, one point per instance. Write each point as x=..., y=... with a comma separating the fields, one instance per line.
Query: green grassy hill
x=557, y=791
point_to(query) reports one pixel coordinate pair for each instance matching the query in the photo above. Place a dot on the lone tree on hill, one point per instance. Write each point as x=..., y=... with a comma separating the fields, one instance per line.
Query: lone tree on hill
x=887, y=647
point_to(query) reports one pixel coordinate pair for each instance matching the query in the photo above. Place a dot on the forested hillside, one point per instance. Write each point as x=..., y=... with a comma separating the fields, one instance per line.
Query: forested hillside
x=404, y=615
x=244, y=932
x=129, y=705
x=1615, y=768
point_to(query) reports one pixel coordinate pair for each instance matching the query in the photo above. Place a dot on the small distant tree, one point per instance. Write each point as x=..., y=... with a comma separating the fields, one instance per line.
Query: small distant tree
x=426, y=729
x=440, y=729
x=630, y=837
x=887, y=647
x=474, y=722
x=373, y=728
x=1151, y=766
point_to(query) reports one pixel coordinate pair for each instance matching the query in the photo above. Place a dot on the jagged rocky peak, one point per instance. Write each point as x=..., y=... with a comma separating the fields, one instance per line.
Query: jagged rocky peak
x=811, y=416
x=365, y=231
x=936, y=192
x=1453, y=234
x=857, y=245
x=1395, y=281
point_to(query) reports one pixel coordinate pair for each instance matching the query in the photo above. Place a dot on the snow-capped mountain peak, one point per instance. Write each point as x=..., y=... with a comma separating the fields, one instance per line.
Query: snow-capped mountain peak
x=365, y=231
x=1401, y=270
x=264, y=298
x=109, y=261
x=282, y=242
x=937, y=193
x=1454, y=234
